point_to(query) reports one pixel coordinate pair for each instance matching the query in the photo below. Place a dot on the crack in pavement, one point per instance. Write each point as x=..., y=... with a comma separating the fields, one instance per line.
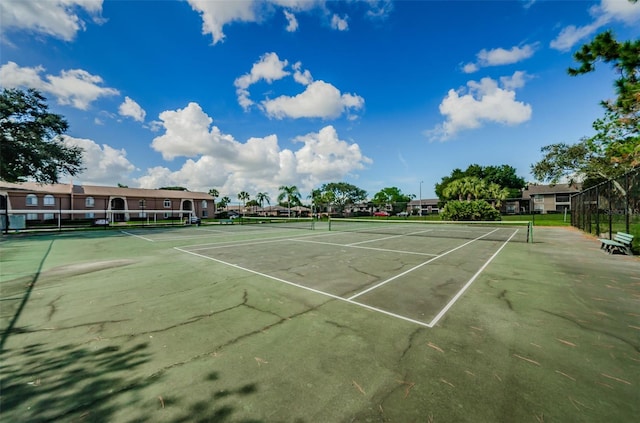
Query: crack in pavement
x=52, y=307
x=629, y=343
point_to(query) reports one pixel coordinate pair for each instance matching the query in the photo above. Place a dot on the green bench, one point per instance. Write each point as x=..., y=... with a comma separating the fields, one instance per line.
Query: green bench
x=621, y=242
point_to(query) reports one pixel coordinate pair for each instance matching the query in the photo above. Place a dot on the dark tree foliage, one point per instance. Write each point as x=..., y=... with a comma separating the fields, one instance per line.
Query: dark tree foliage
x=615, y=147
x=342, y=194
x=504, y=175
x=392, y=196
x=31, y=146
x=174, y=188
x=625, y=57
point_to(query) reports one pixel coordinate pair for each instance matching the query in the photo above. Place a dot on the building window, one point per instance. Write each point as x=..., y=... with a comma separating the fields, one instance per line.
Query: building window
x=167, y=204
x=32, y=216
x=89, y=202
x=49, y=200
x=32, y=200
x=48, y=216
x=538, y=198
x=562, y=198
x=142, y=203
x=204, y=204
x=167, y=215
x=205, y=213
x=89, y=215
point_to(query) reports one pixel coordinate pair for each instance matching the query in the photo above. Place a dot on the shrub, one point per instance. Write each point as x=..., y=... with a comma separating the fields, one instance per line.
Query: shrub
x=469, y=210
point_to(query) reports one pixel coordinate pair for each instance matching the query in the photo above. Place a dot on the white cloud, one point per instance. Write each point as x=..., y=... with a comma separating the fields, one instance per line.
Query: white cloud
x=101, y=163
x=57, y=18
x=604, y=13
x=515, y=81
x=319, y=99
x=339, y=23
x=326, y=157
x=292, y=25
x=216, y=14
x=268, y=68
x=132, y=109
x=481, y=102
x=259, y=164
x=74, y=87
x=571, y=35
x=500, y=56
x=302, y=77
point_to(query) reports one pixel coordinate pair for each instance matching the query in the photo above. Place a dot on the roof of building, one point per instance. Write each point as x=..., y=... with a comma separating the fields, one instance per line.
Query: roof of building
x=551, y=189
x=424, y=202
x=104, y=191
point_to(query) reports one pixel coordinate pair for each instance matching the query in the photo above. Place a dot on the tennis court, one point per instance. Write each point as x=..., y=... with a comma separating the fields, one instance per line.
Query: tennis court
x=267, y=323
x=405, y=270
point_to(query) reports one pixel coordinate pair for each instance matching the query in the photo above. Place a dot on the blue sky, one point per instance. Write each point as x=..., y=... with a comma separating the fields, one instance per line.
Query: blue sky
x=252, y=95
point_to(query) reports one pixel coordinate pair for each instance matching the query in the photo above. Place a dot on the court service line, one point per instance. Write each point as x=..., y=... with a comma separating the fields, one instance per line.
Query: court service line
x=417, y=267
x=236, y=243
x=364, y=248
x=388, y=237
x=316, y=291
x=137, y=236
x=468, y=284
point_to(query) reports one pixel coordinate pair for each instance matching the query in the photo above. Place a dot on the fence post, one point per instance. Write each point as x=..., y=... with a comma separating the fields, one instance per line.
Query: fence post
x=598, y=210
x=626, y=203
x=609, y=188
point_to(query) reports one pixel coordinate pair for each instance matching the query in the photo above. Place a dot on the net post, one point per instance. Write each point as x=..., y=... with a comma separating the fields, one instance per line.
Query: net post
x=530, y=232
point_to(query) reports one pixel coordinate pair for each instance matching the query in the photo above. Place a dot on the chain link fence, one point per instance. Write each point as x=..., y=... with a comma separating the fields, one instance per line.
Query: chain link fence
x=610, y=207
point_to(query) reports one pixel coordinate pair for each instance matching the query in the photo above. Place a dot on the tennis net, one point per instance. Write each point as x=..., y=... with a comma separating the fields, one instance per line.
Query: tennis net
x=279, y=222
x=521, y=231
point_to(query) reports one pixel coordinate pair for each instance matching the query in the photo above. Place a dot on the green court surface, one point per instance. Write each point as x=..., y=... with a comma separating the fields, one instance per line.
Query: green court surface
x=230, y=323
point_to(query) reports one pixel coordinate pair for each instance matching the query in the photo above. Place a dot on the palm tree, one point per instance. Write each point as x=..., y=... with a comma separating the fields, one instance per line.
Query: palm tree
x=215, y=194
x=289, y=193
x=261, y=197
x=497, y=194
x=469, y=186
x=244, y=197
x=224, y=202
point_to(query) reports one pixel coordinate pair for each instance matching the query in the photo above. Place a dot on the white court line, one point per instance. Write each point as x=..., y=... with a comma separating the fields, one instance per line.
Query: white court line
x=468, y=284
x=364, y=248
x=388, y=237
x=235, y=243
x=326, y=294
x=137, y=236
x=417, y=267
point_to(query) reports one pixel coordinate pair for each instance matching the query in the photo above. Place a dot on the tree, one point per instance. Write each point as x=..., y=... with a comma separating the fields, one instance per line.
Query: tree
x=31, y=140
x=261, y=197
x=392, y=196
x=464, y=188
x=289, y=194
x=624, y=56
x=244, y=197
x=321, y=198
x=503, y=175
x=342, y=194
x=615, y=148
x=174, y=188
x=224, y=202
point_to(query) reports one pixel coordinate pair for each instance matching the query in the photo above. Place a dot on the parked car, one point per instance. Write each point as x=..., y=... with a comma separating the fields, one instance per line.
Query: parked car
x=381, y=213
x=101, y=222
x=195, y=220
x=403, y=214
